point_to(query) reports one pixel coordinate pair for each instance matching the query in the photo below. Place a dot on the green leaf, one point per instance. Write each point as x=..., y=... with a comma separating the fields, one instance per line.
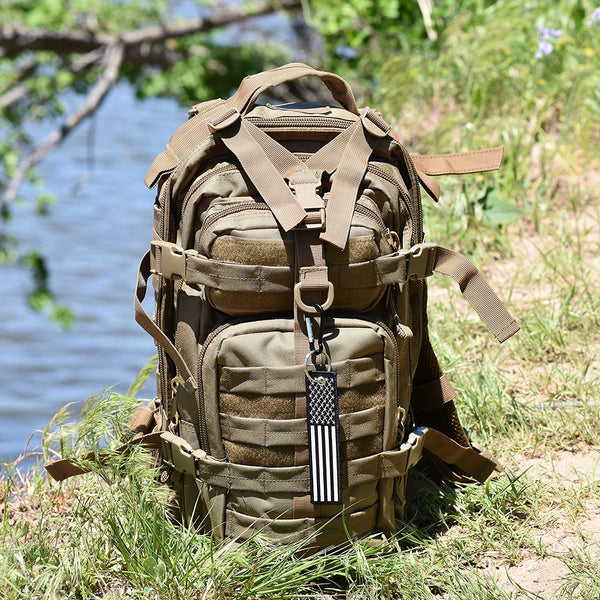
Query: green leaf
x=502, y=212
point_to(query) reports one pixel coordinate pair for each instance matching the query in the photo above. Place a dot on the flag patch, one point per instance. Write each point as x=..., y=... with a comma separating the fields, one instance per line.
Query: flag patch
x=323, y=438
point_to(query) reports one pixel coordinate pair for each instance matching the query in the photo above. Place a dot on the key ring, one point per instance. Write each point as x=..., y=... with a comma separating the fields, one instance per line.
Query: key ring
x=319, y=380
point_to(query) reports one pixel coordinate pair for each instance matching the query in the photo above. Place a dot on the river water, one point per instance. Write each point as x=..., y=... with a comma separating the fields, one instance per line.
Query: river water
x=93, y=239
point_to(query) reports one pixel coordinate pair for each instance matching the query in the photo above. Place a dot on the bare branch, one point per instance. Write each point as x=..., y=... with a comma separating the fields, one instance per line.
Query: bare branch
x=222, y=16
x=113, y=59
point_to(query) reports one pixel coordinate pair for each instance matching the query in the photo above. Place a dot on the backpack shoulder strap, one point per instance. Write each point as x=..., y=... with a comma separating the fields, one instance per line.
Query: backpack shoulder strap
x=450, y=455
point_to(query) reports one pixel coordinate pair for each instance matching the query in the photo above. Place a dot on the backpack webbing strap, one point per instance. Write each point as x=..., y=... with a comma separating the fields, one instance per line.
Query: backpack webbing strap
x=388, y=464
x=477, y=291
x=418, y=262
x=234, y=133
x=146, y=322
x=346, y=183
x=460, y=163
x=311, y=277
x=476, y=161
x=254, y=85
x=430, y=396
x=472, y=460
x=142, y=421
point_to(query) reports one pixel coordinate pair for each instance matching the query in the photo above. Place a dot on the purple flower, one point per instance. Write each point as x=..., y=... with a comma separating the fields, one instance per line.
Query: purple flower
x=545, y=33
x=595, y=17
x=544, y=49
x=546, y=36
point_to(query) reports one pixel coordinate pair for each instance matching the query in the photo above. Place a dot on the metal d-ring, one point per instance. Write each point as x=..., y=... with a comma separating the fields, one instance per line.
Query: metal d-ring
x=320, y=380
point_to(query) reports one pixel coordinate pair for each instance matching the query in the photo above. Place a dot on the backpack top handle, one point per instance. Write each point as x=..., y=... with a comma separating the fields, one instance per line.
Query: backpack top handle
x=254, y=85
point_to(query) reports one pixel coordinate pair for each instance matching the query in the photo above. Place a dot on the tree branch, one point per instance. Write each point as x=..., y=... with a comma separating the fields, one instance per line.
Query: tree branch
x=113, y=60
x=17, y=93
x=15, y=39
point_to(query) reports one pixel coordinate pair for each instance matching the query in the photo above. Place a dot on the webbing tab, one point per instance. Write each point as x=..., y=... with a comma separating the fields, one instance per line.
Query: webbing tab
x=416, y=439
x=374, y=123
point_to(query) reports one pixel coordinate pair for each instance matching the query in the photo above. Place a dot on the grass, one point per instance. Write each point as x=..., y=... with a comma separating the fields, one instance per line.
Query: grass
x=533, y=531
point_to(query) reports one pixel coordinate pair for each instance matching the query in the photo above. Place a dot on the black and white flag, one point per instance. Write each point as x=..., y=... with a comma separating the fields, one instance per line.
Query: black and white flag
x=323, y=438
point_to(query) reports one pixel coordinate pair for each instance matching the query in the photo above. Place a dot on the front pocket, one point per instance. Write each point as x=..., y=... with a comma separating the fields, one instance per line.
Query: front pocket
x=249, y=388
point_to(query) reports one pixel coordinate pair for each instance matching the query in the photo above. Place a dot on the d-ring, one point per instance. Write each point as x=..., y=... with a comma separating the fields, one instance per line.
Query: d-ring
x=311, y=310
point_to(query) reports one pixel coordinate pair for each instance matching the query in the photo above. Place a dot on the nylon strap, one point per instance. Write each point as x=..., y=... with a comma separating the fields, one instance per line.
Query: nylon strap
x=418, y=262
x=62, y=469
x=461, y=163
x=430, y=396
x=144, y=320
x=310, y=272
x=263, y=174
x=477, y=291
x=476, y=161
x=250, y=478
x=345, y=186
x=476, y=464
x=254, y=85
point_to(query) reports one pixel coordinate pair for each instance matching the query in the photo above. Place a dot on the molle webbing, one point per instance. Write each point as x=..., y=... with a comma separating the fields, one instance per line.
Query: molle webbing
x=417, y=263
x=472, y=461
x=231, y=476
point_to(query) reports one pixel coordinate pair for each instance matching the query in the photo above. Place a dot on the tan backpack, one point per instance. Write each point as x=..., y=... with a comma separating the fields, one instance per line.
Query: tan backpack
x=297, y=385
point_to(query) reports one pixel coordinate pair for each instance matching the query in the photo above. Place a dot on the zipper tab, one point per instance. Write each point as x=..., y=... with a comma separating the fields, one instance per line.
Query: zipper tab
x=392, y=238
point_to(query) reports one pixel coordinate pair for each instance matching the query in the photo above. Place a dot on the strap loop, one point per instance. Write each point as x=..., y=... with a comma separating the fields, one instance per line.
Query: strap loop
x=224, y=120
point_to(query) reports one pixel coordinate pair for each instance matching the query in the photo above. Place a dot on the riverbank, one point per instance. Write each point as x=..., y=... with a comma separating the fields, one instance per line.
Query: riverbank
x=533, y=529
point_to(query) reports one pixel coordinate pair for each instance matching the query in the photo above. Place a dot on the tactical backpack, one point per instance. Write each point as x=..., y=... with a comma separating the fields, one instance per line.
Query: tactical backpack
x=297, y=385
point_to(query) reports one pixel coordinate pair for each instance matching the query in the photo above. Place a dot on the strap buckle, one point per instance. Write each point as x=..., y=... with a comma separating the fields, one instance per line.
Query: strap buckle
x=224, y=120
x=315, y=219
x=167, y=259
x=177, y=453
x=420, y=261
x=416, y=440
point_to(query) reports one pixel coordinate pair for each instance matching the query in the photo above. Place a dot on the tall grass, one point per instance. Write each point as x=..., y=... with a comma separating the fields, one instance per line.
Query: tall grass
x=109, y=534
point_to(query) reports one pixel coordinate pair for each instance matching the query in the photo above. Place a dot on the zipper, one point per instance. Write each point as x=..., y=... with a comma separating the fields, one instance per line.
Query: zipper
x=165, y=205
x=230, y=210
x=374, y=215
x=405, y=198
x=394, y=341
x=203, y=179
x=359, y=208
x=201, y=407
x=301, y=122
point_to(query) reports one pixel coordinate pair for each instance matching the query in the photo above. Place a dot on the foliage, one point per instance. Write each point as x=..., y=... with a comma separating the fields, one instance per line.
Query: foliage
x=59, y=60
x=522, y=75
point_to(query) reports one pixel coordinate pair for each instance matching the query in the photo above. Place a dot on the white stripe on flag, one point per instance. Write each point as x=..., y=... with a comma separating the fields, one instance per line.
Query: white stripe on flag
x=313, y=450
x=327, y=461
x=321, y=495
x=334, y=461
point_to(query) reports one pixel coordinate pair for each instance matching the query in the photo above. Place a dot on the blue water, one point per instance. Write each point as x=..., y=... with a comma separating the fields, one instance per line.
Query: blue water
x=93, y=240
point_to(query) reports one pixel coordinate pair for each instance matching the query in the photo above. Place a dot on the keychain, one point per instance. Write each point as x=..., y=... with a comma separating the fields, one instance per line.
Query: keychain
x=322, y=421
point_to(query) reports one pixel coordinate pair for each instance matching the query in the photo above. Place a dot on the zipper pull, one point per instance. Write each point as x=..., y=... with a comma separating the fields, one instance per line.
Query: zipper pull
x=392, y=238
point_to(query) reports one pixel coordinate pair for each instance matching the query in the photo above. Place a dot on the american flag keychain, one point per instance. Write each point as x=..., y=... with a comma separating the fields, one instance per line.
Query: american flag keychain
x=323, y=424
